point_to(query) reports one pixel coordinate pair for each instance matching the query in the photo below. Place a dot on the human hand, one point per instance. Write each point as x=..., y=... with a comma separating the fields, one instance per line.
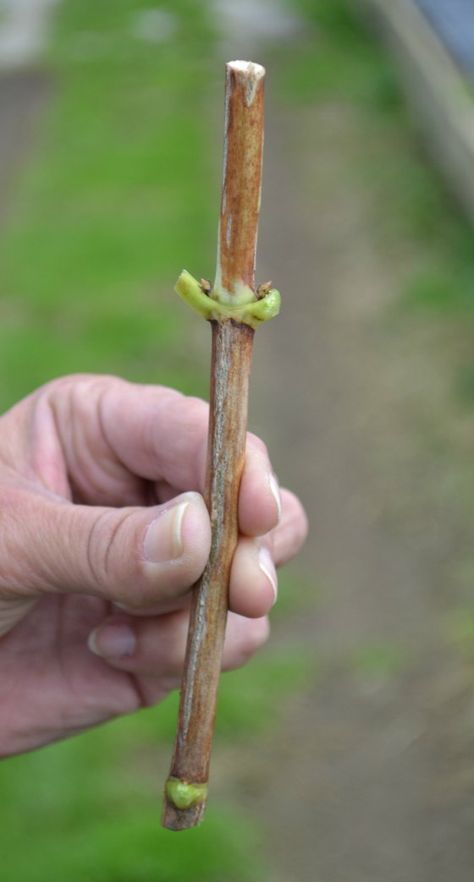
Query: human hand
x=100, y=509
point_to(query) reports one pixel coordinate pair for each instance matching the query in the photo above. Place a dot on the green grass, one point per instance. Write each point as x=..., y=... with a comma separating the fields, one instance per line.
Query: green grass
x=117, y=201
x=80, y=811
x=118, y=197
x=340, y=62
x=109, y=830
x=90, y=807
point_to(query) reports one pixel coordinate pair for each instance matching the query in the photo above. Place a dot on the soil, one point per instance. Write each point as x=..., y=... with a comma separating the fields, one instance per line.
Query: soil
x=370, y=775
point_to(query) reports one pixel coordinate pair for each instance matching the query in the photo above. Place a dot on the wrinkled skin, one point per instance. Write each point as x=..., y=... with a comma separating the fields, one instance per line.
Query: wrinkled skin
x=103, y=533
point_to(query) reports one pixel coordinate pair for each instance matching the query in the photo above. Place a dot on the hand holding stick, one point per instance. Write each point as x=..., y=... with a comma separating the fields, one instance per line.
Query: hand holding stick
x=235, y=309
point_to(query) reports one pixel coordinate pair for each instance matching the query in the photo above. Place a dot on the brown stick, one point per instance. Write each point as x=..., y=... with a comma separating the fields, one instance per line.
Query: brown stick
x=232, y=341
x=241, y=185
x=231, y=361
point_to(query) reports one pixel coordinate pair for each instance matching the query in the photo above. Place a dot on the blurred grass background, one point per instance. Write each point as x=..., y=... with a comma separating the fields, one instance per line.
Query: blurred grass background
x=117, y=199
x=121, y=192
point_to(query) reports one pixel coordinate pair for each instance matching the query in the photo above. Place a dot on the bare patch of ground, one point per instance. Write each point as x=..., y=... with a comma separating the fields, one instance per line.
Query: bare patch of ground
x=369, y=777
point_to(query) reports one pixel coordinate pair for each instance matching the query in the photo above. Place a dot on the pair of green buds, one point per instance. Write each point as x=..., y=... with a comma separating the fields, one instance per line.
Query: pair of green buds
x=248, y=308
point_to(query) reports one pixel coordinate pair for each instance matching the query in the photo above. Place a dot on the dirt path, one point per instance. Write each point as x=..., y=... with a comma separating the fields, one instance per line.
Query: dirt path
x=372, y=762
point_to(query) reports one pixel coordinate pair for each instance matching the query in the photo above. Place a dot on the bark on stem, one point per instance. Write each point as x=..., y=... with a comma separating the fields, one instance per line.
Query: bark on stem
x=231, y=363
x=232, y=341
x=241, y=183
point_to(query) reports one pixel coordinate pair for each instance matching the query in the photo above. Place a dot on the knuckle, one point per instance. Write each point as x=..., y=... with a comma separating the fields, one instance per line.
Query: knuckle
x=112, y=556
x=97, y=550
x=14, y=511
x=71, y=382
x=23, y=559
x=11, y=501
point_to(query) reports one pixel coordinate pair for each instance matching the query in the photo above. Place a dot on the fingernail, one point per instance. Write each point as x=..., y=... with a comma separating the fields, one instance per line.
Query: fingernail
x=163, y=538
x=112, y=641
x=275, y=491
x=267, y=567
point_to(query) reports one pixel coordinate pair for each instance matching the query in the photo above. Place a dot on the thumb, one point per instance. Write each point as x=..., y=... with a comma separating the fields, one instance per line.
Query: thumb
x=139, y=557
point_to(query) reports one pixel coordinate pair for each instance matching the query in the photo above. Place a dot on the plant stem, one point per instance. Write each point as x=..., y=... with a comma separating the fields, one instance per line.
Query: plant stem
x=231, y=361
x=241, y=186
x=232, y=342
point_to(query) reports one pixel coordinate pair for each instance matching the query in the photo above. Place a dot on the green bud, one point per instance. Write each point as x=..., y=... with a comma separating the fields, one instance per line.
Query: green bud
x=184, y=795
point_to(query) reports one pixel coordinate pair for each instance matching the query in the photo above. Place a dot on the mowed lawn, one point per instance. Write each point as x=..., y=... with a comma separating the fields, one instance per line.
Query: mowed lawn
x=115, y=200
